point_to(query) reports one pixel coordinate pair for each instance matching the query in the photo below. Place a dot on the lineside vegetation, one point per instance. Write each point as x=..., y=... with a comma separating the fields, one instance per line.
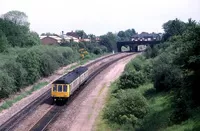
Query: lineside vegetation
x=159, y=89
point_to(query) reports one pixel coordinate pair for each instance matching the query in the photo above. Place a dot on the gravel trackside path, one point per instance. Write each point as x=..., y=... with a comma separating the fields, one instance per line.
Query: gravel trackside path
x=80, y=115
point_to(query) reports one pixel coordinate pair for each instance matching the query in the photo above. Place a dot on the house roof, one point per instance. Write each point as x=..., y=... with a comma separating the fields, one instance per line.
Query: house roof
x=58, y=39
x=68, y=37
x=73, y=34
x=54, y=37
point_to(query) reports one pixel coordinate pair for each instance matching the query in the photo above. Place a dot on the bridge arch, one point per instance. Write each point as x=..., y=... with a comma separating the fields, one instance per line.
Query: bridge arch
x=134, y=44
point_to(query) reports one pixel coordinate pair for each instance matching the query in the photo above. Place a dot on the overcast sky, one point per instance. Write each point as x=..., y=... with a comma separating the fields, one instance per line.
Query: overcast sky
x=100, y=16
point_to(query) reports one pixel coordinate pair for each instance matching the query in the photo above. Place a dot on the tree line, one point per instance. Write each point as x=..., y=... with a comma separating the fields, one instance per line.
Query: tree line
x=15, y=32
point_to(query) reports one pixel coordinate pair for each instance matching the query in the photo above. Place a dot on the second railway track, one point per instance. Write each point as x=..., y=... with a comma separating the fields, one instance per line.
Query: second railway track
x=55, y=111
x=19, y=116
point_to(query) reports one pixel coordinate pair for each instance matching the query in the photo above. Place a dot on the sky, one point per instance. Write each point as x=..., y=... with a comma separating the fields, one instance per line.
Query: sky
x=101, y=16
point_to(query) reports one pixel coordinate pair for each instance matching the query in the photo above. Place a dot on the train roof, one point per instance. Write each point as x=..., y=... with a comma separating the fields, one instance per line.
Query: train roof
x=71, y=76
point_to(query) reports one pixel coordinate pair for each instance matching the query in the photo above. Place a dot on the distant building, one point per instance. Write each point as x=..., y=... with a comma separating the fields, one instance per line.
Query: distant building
x=70, y=38
x=72, y=34
x=84, y=40
x=50, y=40
x=144, y=36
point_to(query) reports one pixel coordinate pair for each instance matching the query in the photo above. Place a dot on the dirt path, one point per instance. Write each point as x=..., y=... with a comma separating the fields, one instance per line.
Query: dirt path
x=82, y=112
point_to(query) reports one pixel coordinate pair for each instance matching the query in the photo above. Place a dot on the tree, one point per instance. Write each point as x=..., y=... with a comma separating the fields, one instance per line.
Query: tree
x=16, y=31
x=127, y=109
x=81, y=34
x=173, y=27
x=122, y=36
x=33, y=39
x=129, y=33
x=17, y=17
x=92, y=37
x=3, y=42
x=109, y=40
x=126, y=35
x=48, y=34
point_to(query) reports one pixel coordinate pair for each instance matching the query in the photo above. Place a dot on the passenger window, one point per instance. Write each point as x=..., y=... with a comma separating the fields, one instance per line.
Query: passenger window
x=54, y=88
x=64, y=88
x=59, y=88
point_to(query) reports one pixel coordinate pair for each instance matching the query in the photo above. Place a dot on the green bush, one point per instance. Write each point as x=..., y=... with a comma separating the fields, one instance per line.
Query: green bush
x=147, y=69
x=127, y=109
x=48, y=65
x=131, y=80
x=7, y=84
x=43, y=60
x=30, y=60
x=104, y=48
x=151, y=52
x=3, y=41
x=97, y=50
x=135, y=64
x=166, y=76
x=17, y=72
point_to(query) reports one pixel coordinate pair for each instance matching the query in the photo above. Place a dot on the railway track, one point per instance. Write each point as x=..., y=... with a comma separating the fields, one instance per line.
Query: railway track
x=19, y=116
x=55, y=111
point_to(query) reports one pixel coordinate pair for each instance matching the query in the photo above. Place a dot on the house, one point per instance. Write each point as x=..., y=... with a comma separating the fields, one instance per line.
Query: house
x=144, y=36
x=76, y=37
x=69, y=38
x=50, y=40
x=72, y=34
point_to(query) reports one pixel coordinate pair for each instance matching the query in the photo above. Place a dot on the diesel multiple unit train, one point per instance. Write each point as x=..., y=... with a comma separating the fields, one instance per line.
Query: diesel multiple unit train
x=63, y=87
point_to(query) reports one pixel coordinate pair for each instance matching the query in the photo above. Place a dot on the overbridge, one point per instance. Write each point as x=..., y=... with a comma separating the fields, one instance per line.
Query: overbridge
x=133, y=45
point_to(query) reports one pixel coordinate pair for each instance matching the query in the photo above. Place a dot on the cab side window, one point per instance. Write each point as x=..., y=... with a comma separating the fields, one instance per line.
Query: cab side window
x=54, y=88
x=59, y=88
x=64, y=88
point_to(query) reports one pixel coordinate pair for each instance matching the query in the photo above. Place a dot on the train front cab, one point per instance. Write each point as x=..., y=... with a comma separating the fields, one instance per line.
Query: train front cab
x=60, y=91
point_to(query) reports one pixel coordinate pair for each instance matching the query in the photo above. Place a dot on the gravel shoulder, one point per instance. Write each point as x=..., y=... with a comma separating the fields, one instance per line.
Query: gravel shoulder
x=83, y=111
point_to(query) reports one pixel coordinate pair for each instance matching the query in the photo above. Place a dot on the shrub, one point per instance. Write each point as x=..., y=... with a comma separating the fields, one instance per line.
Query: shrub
x=17, y=72
x=130, y=107
x=137, y=64
x=151, y=52
x=6, y=84
x=97, y=50
x=30, y=60
x=131, y=80
x=44, y=60
x=166, y=76
x=3, y=41
x=104, y=48
x=147, y=69
x=48, y=65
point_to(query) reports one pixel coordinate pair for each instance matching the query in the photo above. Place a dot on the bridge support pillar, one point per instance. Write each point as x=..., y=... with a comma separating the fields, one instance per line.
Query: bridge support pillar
x=119, y=48
x=133, y=48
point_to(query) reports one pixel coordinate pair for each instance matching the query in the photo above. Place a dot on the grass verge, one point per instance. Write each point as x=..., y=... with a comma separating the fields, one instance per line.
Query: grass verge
x=100, y=123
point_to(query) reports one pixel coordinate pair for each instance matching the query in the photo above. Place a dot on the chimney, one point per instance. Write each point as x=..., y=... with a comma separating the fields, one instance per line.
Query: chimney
x=62, y=36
